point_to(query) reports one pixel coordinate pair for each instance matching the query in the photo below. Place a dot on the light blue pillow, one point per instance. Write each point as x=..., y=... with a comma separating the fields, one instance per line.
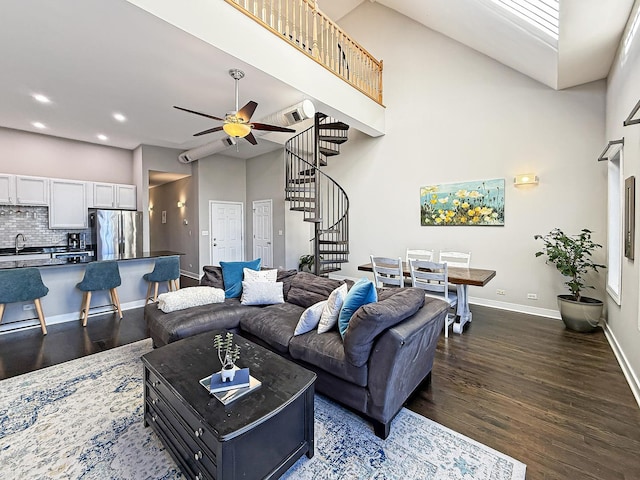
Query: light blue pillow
x=232, y=276
x=362, y=292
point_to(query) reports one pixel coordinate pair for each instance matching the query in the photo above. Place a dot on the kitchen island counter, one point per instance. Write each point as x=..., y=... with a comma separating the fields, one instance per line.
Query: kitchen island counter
x=53, y=262
x=64, y=300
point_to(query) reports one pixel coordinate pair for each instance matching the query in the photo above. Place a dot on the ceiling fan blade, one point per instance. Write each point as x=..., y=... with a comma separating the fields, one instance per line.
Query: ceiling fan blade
x=251, y=139
x=271, y=128
x=211, y=130
x=246, y=111
x=199, y=113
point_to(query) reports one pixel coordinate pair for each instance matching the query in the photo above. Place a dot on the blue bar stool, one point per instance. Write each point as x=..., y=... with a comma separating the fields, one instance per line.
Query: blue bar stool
x=166, y=269
x=23, y=285
x=100, y=276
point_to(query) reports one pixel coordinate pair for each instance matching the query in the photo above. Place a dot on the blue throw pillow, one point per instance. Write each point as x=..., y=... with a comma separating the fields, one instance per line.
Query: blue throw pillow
x=362, y=292
x=232, y=276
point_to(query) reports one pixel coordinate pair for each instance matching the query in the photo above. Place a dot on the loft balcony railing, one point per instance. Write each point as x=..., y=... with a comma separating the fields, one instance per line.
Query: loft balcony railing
x=300, y=23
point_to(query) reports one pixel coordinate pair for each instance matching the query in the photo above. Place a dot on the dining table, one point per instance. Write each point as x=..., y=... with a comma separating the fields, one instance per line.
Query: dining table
x=461, y=277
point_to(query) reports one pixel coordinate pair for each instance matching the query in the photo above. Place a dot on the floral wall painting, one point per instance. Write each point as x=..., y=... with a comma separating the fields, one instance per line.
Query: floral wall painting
x=465, y=203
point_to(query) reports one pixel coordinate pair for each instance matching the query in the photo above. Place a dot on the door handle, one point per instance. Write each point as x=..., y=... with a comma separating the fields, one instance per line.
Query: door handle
x=268, y=243
x=215, y=244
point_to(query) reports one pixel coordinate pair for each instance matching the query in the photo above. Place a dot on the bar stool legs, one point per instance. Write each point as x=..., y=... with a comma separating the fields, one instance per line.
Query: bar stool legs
x=43, y=325
x=166, y=269
x=100, y=276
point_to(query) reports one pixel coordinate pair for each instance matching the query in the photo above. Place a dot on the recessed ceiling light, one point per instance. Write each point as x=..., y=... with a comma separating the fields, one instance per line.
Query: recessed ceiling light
x=41, y=98
x=119, y=117
x=102, y=137
x=38, y=125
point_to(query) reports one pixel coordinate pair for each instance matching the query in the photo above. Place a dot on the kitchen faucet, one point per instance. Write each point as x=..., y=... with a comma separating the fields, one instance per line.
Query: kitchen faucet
x=24, y=242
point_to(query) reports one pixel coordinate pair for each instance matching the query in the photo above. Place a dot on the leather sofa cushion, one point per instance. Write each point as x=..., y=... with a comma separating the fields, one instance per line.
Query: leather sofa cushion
x=286, y=277
x=212, y=277
x=308, y=289
x=165, y=328
x=274, y=325
x=326, y=351
x=372, y=319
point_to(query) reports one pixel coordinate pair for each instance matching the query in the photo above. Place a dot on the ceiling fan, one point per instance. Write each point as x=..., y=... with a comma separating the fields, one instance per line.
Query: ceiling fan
x=237, y=123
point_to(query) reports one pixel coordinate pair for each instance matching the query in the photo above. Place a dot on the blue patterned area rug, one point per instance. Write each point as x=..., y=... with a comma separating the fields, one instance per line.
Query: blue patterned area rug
x=83, y=419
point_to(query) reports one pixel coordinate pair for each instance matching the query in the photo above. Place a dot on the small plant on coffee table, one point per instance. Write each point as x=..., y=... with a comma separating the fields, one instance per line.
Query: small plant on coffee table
x=228, y=353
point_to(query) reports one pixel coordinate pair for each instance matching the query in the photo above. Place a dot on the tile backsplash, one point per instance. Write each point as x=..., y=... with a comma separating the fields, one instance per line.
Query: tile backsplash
x=33, y=222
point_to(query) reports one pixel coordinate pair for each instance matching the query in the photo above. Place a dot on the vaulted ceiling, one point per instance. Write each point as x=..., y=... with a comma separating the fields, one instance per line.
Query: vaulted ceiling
x=589, y=33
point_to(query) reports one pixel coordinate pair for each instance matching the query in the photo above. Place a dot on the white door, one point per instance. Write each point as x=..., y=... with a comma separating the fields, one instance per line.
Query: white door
x=263, y=232
x=226, y=232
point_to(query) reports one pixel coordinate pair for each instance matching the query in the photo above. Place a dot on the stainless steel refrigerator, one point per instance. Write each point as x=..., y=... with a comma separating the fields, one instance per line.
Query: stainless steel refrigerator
x=116, y=234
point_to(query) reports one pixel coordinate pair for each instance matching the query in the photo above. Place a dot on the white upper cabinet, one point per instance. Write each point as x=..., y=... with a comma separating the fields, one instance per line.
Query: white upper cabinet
x=126, y=196
x=32, y=190
x=68, y=206
x=7, y=189
x=114, y=195
x=104, y=195
x=23, y=190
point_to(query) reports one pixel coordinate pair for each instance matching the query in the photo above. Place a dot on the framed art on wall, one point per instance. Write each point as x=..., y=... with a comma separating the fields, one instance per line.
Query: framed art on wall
x=465, y=203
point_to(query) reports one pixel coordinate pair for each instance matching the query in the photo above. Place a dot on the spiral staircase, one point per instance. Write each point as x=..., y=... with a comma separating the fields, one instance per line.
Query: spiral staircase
x=322, y=201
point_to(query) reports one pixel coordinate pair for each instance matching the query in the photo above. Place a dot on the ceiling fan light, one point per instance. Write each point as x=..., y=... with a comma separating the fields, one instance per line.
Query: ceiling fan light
x=238, y=130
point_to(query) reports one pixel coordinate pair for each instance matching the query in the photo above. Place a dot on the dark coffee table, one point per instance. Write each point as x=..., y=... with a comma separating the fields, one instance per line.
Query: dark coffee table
x=259, y=435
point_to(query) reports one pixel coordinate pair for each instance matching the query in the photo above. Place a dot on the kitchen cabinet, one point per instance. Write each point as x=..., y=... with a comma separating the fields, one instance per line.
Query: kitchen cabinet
x=7, y=189
x=23, y=190
x=32, y=190
x=68, y=204
x=24, y=257
x=114, y=195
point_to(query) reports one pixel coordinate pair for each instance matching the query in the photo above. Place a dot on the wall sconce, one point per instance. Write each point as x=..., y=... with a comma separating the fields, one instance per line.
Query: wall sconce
x=150, y=208
x=525, y=179
x=182, y=204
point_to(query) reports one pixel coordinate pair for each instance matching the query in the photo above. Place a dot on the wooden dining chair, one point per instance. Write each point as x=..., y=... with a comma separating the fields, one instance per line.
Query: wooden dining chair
x=433, y=278
x=387, y=271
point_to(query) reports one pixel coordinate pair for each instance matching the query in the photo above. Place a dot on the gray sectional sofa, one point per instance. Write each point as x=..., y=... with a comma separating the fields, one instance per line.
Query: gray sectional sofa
x=387, y=351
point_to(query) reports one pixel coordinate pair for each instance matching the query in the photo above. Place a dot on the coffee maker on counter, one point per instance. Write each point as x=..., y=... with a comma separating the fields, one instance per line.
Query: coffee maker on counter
x=73, y=241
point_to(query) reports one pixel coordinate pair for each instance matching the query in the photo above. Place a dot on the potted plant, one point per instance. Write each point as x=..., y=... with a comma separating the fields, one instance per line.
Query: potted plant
x=228, y=353
x=305, y=264
x=571, y=254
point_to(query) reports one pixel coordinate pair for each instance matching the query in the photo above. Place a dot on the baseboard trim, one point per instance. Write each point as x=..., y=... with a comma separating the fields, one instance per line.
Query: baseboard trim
x=66, y=317
x=189, y=274
x=514, y=307
x=628, y=372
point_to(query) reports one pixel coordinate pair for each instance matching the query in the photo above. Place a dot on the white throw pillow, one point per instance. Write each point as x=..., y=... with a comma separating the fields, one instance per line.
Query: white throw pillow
x=331, y=310
x=310, y=318
x=259, y=275
x=189, y=297
x=261, y=293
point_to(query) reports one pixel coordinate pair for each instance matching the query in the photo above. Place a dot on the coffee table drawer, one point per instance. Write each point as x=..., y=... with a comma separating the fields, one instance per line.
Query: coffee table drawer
x=204, y=438
x=178, y=450
x=201, y=456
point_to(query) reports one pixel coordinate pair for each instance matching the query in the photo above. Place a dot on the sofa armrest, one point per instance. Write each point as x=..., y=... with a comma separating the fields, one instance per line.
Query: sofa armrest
x=402, y=357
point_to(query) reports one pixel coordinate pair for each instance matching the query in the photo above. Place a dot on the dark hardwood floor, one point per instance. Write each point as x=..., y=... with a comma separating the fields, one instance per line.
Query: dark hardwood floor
x=553, y=399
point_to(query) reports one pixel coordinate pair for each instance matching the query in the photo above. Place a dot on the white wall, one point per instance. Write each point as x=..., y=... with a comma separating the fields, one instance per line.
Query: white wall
x=219, y=178
x=456, y=115
x=622, y=95
x=26, y=153
x=265, y=180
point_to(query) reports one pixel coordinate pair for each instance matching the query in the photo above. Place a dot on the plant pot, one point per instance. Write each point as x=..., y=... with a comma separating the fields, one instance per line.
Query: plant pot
x=227, y=373
x=582, y=316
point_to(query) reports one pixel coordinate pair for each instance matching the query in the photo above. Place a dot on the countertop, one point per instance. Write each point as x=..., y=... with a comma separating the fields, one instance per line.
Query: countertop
x=56, y=262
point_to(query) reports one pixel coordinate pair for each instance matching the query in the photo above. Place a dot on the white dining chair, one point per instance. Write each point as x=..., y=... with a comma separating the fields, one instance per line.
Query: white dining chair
x=455, y=259
x=387, y=271
x=433, y=278
x=418, y=254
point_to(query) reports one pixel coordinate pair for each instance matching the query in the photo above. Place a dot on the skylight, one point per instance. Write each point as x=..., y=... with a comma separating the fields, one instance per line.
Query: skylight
x=542, y=14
